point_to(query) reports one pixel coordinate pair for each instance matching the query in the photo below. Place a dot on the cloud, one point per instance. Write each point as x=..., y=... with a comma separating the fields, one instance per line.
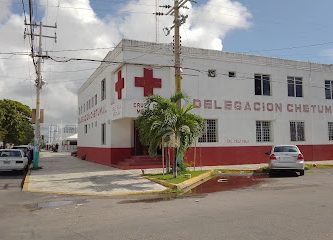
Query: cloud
x=208, y=24
x=5, y=9
x=81, y=27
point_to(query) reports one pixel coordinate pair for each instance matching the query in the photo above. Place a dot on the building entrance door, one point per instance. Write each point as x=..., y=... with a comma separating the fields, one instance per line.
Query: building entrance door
x=139, y=149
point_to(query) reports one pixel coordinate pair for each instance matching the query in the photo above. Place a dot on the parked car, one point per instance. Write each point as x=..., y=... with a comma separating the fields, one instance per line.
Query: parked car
x=13, y=159
x=28, y=151
x=286, y=157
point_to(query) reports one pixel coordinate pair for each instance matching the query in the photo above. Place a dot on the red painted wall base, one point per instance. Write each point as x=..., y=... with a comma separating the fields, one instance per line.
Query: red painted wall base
x=105, y=156
x=209, y=156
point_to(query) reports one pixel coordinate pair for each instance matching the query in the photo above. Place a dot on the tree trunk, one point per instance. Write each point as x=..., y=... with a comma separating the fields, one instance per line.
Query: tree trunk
x=167, y=160
x=175, y=163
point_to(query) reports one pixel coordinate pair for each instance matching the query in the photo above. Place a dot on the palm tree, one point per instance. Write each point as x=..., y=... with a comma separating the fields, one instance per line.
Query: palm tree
x=163, y=121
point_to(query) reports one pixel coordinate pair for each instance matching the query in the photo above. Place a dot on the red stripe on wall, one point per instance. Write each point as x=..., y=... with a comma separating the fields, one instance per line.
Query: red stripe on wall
x=214, y=156
x=105, y=156
x=210, y=156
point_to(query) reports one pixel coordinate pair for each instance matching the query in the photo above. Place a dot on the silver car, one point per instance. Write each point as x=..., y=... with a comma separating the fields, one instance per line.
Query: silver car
x=286, y=157
x=13, y=159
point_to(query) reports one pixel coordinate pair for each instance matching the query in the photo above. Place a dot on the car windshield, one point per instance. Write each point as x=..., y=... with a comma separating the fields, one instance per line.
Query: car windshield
x=10, y=154
x=285, y=149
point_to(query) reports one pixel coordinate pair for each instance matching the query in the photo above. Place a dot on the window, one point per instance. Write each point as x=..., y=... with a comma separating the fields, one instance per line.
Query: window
x=262, y=84
x=232, y=74
x=95, y=99
x=70, y=129
x=285, y=149
x=103, y=127
x=103, y=90
x=297, y=131
x=84, y=107
x=210, y=131
x=263, y=131
x=330, y=131
x=329, y=89
x=295, y=86
x=85, y=128
x=92, y=101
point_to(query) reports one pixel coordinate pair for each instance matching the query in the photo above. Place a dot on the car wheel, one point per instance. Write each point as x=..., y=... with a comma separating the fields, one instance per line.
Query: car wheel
x=301, y=173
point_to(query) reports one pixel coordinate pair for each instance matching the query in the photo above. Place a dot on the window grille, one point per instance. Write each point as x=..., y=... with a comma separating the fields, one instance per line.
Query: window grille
x=103, y=128
x=103, y=90
x=210, y=131
x=330, y=131
x=262, y=84
x=295, y=86
x=329, y=89
x=263, y=131
x=297, y=131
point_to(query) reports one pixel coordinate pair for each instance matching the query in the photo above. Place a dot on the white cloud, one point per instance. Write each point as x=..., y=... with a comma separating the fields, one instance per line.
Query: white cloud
x=5, y=9
x=79, y=27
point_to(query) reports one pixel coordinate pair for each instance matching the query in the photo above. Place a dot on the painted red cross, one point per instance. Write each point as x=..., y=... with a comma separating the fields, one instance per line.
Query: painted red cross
x=148, y=82
x=119, y=85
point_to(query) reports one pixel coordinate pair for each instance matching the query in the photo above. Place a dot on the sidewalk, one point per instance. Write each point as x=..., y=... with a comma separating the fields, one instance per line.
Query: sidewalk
x=63, y=174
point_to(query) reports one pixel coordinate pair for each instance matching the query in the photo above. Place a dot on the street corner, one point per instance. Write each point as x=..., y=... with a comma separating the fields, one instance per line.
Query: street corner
x=103, y=183
x=194, y=181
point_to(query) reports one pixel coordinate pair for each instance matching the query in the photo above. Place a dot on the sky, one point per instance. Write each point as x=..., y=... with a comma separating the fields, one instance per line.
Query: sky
x=297, y=30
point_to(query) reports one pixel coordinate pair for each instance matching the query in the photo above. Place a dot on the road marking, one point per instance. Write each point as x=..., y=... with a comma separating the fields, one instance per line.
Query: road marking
x=26, y=182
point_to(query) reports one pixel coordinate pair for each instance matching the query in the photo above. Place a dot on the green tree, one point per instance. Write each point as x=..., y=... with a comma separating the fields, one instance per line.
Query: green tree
x=162, y=119
x=15, y=126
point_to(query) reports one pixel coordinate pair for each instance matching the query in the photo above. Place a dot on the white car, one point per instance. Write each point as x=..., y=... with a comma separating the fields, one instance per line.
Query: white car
x=13, y=159
x=286, y=157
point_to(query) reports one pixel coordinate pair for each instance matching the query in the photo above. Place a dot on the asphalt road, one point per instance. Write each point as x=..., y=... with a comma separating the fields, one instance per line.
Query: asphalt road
x=11, y=180
x=286, y=207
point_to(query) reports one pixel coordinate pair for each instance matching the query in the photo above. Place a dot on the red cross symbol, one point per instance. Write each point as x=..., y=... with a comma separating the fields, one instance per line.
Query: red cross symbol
x=148, y=82
x=119, y=84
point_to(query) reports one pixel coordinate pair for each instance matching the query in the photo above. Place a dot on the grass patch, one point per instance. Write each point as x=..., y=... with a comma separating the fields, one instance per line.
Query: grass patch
x=170, y=179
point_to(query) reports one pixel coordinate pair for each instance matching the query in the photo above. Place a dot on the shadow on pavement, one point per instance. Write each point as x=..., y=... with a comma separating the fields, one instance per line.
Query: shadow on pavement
x=114, y=182
x=283, y=174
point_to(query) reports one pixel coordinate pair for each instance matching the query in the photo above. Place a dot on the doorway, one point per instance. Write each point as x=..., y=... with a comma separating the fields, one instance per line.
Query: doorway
x=139, y=148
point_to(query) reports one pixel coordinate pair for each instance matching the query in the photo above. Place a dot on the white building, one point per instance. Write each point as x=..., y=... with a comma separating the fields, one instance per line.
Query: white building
x=250, y=103
x=65, y=135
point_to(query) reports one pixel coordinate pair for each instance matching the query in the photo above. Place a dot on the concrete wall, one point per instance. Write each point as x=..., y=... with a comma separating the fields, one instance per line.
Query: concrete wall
x=232, y=101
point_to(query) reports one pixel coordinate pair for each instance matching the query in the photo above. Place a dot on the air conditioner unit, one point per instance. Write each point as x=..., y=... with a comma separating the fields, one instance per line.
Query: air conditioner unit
x=211, y=73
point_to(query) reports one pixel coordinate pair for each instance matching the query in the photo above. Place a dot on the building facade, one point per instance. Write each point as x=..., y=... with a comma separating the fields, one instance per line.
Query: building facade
x=62, y=136
x=249, y=102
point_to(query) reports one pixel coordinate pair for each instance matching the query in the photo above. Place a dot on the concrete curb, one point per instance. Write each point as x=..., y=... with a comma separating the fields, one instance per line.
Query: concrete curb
x=115, y=194
x=193, y=181
x=26, y=181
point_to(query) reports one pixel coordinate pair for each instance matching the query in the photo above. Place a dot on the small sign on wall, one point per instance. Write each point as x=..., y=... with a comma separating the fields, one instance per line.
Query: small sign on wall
x=41, y=116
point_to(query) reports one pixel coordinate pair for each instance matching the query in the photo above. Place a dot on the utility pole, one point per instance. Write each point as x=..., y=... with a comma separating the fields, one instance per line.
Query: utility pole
x=39, y=84
x=178, y=76
x=178, y=21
